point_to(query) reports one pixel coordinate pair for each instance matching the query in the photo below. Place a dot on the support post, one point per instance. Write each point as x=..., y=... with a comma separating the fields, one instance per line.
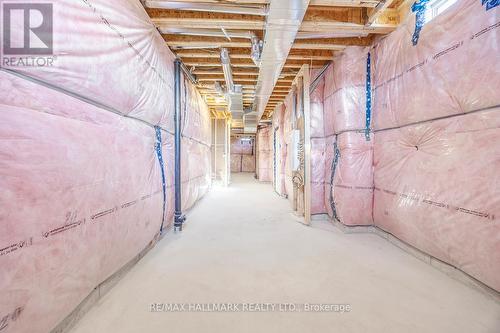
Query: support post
x=178, y=217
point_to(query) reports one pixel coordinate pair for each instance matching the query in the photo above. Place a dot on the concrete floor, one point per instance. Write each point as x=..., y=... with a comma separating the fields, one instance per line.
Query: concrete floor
x=241, y=245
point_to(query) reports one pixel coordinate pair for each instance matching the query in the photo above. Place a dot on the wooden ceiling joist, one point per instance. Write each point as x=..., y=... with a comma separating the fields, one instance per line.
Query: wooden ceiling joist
x=229, y=8
x=344, y=3
x=237, y=71
x=191, y=54
x=203, y=23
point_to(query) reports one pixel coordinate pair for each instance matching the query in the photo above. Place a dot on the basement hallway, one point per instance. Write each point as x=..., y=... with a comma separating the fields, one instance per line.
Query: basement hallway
x=242, y=245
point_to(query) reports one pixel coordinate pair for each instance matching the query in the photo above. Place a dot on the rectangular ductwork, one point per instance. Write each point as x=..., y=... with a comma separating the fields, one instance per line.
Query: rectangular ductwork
x=226, y=68
x=283, y=22
x=250, y=122
x=235, y=105
x=234, y=92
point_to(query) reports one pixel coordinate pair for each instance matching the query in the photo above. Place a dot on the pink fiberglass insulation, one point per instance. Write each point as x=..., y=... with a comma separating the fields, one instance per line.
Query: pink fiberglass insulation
x=236, y=162
x=316, y=98
x=81, y=186
x=248, y=163
x=265, y=154
x=242, y=155
x=330, y=144
x=196, y=150
x=317, y=150
x=345, y=92
x=242, y=147
x=84, y=196
x=318, y=176
x=99, y=47
x=351, y=165
x=436, y=181
x=287, y=136
x=437, y=188
x=242, y=163
x=453, y=69
x=349, y=156
x=278, y=126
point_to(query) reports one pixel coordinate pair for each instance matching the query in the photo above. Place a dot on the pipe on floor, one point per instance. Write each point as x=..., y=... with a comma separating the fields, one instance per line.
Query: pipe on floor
x=178, y=217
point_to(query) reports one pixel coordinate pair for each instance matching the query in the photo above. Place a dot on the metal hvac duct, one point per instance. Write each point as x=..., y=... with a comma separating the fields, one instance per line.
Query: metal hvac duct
x=235, y=105
x=283, y=21
x=207, y=7
x=226, y=68
x=256, y=50
x=250, y=122
x=234, y=92
x=218, y=88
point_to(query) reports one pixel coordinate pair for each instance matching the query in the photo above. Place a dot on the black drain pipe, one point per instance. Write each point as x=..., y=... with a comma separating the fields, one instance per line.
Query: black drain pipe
x=178, y=217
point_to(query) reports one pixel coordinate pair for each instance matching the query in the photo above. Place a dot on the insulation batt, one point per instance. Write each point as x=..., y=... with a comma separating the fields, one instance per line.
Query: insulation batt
x=242, y=158
x=317, y=176
x=345, y=91
x=437, y=181
x=316, y=99
x=278, y=125
x=353, y=181
x=91, y=44
x=81, y=186
x=328, y=190
x=69, y=216
x=265, y=154
x=452, y=70
x=345, y=114
x=287, y=133
x=317, y=150
x=437, y=187
x=236, y=163
x=241, y=146
x=242, y=163
x=248, y=163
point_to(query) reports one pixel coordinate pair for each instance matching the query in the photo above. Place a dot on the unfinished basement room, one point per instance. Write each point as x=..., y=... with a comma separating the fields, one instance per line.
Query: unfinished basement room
x=233, y=166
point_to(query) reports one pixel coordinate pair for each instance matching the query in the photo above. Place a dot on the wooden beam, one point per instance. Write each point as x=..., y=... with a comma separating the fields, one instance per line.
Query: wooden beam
x=221, y=76
x=342, y=15
x=199, y=63
x=242, y=2
x=344, y=3
x=206, y=21
x=339, y=3
x=336, y=44
x=373, y=14
x=314, y=46
x=329, y=26
x=207, y=45
x=345, y=20
x=243, y=52
x=258, y=10
x=239, y=72
x=387, y=18
x=236, y=79
x=193, y=54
